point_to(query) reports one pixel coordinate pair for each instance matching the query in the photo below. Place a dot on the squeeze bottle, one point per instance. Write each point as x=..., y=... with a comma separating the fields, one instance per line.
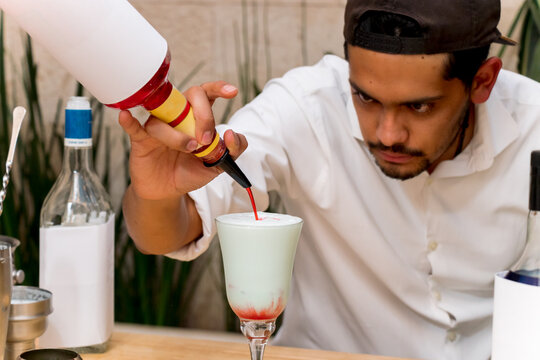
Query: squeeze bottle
x=110, y=48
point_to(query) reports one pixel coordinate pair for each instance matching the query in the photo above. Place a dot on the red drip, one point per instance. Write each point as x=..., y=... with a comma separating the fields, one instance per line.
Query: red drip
x=250, y=193
x=269, y=313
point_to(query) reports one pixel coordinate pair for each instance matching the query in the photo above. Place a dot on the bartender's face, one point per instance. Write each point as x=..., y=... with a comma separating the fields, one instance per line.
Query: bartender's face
x=409, y=114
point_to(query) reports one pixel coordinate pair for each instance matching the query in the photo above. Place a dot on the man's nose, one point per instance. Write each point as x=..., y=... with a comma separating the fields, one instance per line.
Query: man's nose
x=390, y=129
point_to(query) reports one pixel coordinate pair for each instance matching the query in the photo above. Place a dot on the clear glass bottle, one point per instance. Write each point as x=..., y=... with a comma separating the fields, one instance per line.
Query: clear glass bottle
x=77, y=244
x=527, y=268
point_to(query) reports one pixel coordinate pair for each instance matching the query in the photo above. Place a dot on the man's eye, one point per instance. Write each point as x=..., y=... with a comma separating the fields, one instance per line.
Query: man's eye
x=363, y=98
x=420, y=107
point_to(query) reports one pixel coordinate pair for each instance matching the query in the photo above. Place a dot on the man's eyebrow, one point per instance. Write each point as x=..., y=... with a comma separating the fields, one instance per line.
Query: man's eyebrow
x=422, y=100
x=362, y=92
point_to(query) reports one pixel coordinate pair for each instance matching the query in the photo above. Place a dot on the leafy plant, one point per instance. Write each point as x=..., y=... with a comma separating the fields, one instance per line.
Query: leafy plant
x=529, y=41
x=33, y=173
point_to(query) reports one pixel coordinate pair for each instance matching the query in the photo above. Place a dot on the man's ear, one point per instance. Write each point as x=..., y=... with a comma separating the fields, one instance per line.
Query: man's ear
x=485, y=79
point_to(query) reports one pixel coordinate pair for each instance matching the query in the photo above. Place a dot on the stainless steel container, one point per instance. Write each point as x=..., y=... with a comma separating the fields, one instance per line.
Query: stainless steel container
x=30, y=307
x=7, y=247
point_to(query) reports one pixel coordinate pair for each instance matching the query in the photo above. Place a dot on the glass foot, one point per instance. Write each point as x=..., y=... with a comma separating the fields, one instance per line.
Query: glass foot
x=257, y=332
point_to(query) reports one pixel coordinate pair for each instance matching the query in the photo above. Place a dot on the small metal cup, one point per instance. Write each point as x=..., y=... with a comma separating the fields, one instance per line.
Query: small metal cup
x=30, y=307
x=7, y=247
x=49, y=354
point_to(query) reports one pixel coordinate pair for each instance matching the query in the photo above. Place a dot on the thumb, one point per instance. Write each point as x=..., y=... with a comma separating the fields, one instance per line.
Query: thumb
x=131, y=126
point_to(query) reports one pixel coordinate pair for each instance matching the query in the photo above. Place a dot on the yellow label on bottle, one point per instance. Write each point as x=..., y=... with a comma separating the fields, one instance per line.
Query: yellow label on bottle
x=172, y=107
x=187, y=126
x=210, y=147
x=175, y=106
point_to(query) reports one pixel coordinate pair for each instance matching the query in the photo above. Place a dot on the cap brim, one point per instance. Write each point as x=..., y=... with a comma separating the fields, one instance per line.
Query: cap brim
x=505, y=41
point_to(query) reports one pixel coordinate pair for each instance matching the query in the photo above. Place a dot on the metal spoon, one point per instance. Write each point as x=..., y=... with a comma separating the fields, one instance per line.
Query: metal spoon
x=18, y=115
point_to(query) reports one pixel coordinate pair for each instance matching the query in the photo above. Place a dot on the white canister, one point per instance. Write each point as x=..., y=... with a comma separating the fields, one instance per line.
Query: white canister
x=516, y=320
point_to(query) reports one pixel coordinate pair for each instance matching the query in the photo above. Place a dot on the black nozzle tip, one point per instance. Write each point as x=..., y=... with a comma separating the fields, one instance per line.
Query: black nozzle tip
x=534, y=185
x=227, y=164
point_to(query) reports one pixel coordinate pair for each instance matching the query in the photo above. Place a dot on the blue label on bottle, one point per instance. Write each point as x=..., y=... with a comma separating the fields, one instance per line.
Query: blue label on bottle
x=78, y=124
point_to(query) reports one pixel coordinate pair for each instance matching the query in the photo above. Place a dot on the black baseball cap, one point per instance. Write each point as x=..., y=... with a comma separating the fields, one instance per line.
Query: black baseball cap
x=448, y=25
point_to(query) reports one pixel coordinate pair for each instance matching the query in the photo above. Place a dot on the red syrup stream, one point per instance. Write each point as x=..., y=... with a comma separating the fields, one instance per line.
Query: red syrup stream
x=252, y=203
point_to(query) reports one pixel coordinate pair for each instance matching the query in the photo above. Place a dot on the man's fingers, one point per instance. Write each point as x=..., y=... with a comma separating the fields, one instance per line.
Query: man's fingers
x=236, y=143
x=167, y=135
x=204, y=117
x=131, y=126
x=219, y=89
x=202, y=98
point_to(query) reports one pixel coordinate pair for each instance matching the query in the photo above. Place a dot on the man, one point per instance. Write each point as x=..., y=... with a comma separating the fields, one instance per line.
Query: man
x=408, y=164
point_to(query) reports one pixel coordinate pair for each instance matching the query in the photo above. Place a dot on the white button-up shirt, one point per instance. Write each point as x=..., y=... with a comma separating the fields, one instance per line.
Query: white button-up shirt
x=383, y=266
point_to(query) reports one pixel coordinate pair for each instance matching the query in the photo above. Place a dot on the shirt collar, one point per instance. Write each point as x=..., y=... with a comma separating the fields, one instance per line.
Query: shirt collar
x=495, y=129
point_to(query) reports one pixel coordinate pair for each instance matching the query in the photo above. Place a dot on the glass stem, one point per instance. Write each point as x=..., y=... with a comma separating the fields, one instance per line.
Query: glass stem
x=257, y=332
x=256, y=348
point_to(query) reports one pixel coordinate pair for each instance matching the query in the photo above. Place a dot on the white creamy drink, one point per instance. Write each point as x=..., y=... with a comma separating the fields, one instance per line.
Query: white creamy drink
x=258, y=257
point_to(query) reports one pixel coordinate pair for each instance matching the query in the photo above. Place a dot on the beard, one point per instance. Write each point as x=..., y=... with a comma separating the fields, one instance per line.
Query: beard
x=395, y=171
x=423, y=162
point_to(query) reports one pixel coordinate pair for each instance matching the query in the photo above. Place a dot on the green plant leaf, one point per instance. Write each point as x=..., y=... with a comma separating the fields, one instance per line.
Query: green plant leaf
x=534, y=72
x=513, y=26
x=534, y=11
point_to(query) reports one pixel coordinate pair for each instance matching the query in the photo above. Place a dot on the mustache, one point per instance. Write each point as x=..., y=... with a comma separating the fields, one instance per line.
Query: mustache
x=395, y=148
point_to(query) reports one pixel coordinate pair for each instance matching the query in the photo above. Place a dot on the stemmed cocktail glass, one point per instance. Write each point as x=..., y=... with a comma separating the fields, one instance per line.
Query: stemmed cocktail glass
x=258, y=257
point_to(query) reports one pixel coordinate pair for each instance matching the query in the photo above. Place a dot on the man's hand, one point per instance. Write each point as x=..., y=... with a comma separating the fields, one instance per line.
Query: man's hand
x=160, y=217
x=161, y=165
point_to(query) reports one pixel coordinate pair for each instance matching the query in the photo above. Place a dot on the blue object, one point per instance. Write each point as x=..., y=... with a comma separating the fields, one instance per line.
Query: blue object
x=78, y=124
x=524, y=277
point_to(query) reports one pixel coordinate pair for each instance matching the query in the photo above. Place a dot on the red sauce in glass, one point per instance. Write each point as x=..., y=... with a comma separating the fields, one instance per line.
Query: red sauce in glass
x=269, y=313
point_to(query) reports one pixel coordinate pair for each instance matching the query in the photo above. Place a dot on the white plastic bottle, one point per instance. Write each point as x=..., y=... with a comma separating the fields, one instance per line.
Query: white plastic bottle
x=76, y=260
x=110, y=48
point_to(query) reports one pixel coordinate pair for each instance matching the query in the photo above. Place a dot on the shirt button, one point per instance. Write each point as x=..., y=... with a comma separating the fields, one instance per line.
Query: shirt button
x=432, y=245
x=436, y=295
x=429, y=181
x=451, y=335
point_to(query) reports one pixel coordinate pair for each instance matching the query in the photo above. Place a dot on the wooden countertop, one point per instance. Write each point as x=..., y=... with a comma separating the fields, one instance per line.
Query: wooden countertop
x=129, y=346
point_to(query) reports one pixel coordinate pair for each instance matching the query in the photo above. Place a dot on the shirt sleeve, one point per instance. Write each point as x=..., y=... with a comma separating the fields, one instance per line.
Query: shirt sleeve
x=210, y=201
